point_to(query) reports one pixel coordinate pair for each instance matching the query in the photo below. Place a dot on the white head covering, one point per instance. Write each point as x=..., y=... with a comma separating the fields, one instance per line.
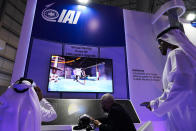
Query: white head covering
x=177, y=37
x=20, y=111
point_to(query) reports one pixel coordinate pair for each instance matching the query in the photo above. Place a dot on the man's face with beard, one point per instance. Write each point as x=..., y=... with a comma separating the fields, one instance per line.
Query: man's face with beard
x=106, y=105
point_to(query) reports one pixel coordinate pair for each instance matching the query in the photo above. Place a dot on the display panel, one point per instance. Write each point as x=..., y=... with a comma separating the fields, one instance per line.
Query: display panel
x=80, y=74
x=69, y=110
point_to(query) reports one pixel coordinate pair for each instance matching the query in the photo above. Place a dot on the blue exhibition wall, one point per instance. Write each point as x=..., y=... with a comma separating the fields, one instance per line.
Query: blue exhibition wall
x=58, y=23
x=97, y=25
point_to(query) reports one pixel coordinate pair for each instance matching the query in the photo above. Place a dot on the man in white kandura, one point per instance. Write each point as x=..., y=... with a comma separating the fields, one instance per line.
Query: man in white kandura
x=178, y=99
x=20, y=108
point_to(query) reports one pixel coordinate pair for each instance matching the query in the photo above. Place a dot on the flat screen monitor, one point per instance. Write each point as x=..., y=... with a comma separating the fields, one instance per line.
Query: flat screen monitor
x=80, y=74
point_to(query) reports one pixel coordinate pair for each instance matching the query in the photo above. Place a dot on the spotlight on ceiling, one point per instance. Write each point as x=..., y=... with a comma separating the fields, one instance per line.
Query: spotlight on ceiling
x=191, y=17
x=83, y=1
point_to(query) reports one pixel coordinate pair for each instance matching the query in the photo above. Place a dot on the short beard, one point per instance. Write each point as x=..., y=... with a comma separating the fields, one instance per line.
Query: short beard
x=105, y=110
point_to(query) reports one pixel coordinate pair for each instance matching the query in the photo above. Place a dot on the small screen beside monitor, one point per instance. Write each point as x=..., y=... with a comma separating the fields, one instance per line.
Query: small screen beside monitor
x=80, y=74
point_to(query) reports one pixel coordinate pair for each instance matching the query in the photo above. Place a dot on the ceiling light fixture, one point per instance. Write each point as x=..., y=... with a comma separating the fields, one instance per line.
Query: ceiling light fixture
x=83, y=1
x=191, y=17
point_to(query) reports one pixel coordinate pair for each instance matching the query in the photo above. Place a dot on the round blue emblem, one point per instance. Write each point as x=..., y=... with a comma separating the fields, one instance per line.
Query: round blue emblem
x=50, y=14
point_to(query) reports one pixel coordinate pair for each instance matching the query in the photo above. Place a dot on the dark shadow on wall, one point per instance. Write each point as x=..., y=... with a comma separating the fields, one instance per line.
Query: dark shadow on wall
x=2, y=90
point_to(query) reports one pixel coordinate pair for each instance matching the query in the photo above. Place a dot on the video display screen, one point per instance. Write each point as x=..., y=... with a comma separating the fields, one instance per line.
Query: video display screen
x=80, y=74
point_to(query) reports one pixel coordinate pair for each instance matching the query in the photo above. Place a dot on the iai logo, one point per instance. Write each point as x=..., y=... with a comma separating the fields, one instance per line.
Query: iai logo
x=66, y=16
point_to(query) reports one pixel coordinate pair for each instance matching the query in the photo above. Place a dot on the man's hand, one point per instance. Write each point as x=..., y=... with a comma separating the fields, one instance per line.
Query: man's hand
x=147, y=105
x=96, y=123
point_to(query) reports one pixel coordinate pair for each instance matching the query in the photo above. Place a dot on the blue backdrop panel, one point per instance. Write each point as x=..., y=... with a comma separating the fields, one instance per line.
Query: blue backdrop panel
x=119, y=70
x=97, y=25
x=38, y=69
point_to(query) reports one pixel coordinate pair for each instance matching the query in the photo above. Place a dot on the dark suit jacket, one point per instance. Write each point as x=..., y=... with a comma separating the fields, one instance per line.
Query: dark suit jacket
x=117, y=120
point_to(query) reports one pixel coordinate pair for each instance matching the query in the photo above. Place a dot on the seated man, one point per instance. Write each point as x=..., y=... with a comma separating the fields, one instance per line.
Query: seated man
x=117, y=120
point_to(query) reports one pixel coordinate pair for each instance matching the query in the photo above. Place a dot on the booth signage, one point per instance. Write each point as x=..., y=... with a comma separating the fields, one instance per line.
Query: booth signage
x=67, y=16
x=66, y=21
x=82, y=51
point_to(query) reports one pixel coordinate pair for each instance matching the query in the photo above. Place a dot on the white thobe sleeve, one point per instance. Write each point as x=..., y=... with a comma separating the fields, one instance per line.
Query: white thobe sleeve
x=179, y=84
x=47, y=111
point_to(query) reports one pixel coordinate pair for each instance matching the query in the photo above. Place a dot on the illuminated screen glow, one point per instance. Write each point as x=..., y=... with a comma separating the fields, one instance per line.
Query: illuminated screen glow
x=83, y=1
x=80, y=74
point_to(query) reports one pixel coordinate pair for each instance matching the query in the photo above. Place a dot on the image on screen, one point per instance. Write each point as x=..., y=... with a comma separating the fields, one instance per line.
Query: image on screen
x=80, y=74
